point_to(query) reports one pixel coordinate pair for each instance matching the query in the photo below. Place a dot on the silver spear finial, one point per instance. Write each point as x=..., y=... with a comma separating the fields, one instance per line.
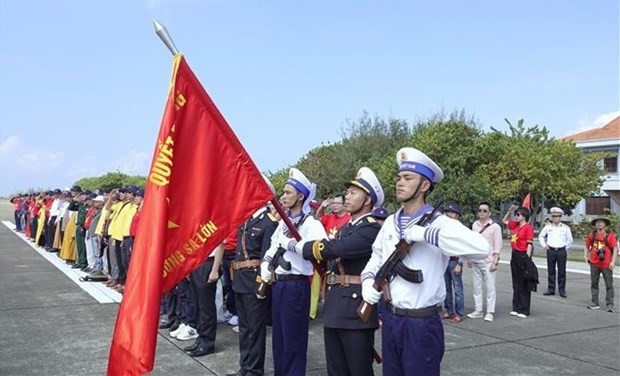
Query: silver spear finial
x=161, y=31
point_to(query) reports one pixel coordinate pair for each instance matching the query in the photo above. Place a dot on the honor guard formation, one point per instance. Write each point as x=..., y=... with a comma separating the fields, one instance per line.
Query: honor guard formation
x=400, y=273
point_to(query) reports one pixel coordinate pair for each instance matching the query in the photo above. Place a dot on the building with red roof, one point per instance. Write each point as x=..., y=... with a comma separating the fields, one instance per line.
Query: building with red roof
x=603, y=139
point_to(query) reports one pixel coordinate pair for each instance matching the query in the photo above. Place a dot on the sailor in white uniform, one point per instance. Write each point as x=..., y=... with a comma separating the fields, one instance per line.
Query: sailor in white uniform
x=413, y=337
x=291, y=288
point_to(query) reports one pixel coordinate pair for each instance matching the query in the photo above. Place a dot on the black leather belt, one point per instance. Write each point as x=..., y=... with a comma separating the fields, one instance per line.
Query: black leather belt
x=289, y=277
x=558, y=249
x=419, y=313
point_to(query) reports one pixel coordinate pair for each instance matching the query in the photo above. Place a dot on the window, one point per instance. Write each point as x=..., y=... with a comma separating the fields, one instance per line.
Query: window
x=610, y=164
x=596, y=205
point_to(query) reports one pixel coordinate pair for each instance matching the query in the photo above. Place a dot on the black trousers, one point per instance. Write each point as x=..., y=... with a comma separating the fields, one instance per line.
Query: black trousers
x=50, y=229
x=349, y=352
x=205, y=311
x=33, y=227
x=521, y=294
x=252, y=313
x=556, y=256
x=18, y=222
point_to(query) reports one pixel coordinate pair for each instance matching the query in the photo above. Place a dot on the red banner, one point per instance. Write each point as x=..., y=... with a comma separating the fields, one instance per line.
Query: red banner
x=202, y=185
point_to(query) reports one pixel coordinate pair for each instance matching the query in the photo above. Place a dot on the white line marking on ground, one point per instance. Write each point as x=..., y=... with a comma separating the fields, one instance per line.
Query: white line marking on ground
x=586, y=272
x=97, y=290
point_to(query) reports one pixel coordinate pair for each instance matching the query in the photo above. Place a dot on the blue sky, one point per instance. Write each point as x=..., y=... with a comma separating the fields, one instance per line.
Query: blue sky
x=83, y=83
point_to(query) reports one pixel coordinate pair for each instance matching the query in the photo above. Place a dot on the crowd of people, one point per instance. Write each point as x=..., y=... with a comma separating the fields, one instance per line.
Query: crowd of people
x=354, y=241
x=91, y=231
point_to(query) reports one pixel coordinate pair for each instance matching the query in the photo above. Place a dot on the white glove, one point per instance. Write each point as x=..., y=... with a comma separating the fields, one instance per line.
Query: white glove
x=260, y=297
x=369, y=293
x=415, y=233
x=265, y=274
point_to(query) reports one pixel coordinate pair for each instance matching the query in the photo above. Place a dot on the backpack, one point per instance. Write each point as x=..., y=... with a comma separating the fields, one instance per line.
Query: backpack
x=607, y=242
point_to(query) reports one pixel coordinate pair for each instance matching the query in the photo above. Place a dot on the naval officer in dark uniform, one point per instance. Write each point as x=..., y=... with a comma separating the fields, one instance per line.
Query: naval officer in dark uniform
x=349, y=342
x=253, y=240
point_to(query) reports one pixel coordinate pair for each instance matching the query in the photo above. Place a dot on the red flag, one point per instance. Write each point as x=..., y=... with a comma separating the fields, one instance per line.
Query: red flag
x=527, y=202
x=202, y=184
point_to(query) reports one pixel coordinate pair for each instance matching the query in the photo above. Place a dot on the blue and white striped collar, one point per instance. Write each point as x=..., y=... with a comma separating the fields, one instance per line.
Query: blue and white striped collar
x=415, y=217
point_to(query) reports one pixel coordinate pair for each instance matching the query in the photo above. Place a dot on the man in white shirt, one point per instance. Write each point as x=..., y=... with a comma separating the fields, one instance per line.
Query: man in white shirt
x=556, y=238
x=484, y=270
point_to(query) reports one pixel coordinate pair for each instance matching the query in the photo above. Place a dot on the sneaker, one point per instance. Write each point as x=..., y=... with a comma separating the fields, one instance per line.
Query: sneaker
x=488, y=317
x=178, y=330
x=610, y=307
x=514, y=313
x=227, y=316
x=475, y=315
x=233, y=321
x=187, y=334
x=235, y=329
x=521, y=315
x=594, y=306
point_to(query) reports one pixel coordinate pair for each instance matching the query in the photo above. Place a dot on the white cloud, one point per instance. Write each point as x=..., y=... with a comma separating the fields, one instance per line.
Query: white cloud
x=85, y=166
x=135, y=162
x=26, y=158
x=596, y=121
x=39, y=160
x=11, y=143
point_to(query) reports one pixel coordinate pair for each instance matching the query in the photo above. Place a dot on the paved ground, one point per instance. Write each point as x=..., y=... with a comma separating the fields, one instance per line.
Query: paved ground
x=51, y=326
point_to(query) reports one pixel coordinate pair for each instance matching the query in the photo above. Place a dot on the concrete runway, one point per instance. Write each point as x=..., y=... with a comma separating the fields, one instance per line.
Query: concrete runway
x=50, y=325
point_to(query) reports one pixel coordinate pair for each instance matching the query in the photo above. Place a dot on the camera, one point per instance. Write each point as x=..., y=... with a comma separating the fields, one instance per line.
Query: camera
x=600, y=252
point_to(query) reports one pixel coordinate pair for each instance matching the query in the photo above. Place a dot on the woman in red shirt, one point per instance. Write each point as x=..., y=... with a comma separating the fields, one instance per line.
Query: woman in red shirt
x=522, y=244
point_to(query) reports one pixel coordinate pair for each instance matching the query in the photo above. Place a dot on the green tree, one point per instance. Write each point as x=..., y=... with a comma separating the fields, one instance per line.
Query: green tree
x=110, y=181
x=453, y=143
x=365, y=142
x=526, y=160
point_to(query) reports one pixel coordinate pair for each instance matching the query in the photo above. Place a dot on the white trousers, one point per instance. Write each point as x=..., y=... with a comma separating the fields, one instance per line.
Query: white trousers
x=89, y=249
x=484, y=278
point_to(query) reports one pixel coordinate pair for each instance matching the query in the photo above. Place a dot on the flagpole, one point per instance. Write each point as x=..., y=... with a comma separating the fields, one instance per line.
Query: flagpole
x=286, y=219
x=163, y=34
x=293, y=230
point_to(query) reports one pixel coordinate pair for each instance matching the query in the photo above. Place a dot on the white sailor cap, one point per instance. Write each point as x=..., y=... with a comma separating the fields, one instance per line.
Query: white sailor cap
x=367, y=181
x=410, y=159
x=273, y=190
x=555, y=210
x=300, y=182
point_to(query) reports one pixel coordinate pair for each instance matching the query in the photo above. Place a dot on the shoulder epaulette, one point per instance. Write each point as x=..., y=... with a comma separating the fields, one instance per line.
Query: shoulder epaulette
x=371, y=219
x=272, y=217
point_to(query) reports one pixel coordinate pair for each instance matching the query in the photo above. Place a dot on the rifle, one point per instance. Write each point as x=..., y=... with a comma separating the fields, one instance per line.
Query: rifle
x=277, y=260
x=388, y=269
x=262, y=288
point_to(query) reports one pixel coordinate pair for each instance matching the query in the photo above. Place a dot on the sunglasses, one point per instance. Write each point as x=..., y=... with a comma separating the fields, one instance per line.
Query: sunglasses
x=518, y=215
x=556, y=216
x=482, y=211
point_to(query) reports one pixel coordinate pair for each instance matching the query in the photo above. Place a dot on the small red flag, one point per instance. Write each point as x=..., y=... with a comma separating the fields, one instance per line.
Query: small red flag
x=202, y=185
x=527, y=202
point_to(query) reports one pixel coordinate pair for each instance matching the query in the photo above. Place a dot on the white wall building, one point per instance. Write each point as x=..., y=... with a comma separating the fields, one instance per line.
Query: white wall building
x=604, y=139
